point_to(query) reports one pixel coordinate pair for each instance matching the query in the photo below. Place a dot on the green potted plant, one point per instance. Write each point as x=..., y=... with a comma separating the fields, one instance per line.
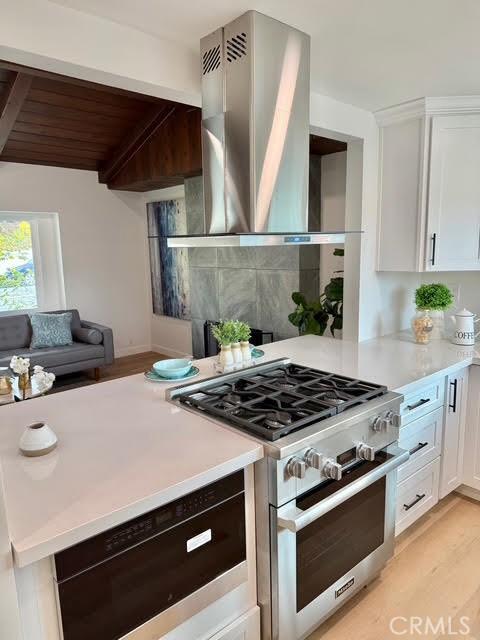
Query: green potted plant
x=314, y=317
x=243, y=334
x=225, y=333
x=431, y=301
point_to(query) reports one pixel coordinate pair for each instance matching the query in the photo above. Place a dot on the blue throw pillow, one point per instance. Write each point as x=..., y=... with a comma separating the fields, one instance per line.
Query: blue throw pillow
x=51, y=330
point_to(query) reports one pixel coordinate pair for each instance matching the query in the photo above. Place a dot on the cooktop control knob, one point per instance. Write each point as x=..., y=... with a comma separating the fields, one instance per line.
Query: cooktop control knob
x=313, y=459
x=380, y=423
x=332, y=470
x=365, y=452
x=394, y=419
x=296, y=468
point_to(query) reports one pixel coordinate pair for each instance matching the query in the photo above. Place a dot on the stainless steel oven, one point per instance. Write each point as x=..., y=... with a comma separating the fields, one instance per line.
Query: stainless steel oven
x=328, y=542
x=191, y=552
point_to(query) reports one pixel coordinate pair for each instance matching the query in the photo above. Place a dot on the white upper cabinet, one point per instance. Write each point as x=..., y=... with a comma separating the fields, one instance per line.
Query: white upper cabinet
x=429, y=186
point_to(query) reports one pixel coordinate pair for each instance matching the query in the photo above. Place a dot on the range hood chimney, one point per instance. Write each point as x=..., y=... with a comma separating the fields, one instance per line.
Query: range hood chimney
x=255, y=136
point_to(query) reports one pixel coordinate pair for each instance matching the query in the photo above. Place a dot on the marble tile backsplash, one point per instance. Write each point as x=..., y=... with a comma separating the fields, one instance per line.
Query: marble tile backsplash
x=251, y=284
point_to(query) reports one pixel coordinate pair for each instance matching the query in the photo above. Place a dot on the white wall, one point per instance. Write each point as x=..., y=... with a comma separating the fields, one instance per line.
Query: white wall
x=170, y=336
x=103, y=236
x=333, y=184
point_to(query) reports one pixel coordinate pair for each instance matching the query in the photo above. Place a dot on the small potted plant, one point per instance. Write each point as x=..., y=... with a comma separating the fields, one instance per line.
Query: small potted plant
x=243, y=333
x=224, y=334
x=431, y=301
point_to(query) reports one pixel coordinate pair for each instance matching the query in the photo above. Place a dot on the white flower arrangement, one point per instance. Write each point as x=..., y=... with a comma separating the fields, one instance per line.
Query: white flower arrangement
x=19, y=365
x=43, y=379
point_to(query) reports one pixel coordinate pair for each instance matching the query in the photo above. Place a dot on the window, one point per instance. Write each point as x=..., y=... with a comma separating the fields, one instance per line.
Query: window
x=31, y=274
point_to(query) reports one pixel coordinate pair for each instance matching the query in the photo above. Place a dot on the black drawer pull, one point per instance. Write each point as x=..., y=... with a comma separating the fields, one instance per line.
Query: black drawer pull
x=453, y=405
x=419, y=446
x=434, y=247
x=411, y=407
x=420, y=496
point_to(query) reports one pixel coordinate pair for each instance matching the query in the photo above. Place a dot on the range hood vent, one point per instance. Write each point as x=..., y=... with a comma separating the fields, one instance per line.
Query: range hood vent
x=255, y=136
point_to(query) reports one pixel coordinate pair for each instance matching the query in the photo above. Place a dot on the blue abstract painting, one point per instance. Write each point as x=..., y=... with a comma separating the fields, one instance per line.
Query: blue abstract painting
x=168, y=267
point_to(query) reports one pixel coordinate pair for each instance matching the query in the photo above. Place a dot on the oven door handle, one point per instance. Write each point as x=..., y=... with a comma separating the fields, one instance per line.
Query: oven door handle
x=295, y=519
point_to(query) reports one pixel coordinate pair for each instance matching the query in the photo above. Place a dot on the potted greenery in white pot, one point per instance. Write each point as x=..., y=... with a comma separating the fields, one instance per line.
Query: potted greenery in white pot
x=431, y=301
x=224, y=334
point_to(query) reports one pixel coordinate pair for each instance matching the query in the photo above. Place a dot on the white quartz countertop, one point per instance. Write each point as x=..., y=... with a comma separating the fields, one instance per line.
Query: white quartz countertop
x=124, y=450
x=395, y=361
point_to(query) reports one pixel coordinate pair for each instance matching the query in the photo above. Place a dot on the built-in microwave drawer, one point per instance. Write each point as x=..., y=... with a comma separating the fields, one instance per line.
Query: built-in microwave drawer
x=417, y=495
x=423, y=399
x=423, y=439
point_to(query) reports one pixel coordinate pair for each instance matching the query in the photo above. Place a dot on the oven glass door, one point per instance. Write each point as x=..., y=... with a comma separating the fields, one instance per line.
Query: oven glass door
x=339, y=540
x=330, y=542
x=118, y=595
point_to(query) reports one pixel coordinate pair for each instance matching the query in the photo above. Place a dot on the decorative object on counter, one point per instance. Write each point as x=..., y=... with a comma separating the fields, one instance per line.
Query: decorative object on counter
x=233, y=337
x=314, y=317
x=38, y=439
x=173, y=368
x=42, y=379
x=154, y=377
x=464, y=333
x=6, y=388
x=21, y=366
x=5, y=381
x=434, y=299
x=422, y=327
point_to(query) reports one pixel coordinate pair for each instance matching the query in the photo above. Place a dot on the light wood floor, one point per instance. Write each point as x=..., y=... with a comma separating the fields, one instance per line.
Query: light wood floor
x=129, y=365
x=435, y=572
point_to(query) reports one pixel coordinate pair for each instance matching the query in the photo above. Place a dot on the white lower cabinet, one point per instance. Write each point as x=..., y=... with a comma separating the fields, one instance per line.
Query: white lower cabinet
x=423, y=439
x=471, y=467
x=416, y=495
x=451, y=471
x=247, y=627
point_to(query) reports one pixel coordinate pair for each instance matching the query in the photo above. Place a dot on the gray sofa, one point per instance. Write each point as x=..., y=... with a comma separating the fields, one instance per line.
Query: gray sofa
x=89, y=350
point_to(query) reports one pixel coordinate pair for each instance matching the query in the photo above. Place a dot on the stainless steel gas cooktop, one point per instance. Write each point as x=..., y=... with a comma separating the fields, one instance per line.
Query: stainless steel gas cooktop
x=284, y=398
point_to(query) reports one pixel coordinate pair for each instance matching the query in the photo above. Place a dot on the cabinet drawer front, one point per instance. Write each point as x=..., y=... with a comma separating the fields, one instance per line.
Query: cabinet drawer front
x=423, y=399
x=416, y=495
x=423, y=438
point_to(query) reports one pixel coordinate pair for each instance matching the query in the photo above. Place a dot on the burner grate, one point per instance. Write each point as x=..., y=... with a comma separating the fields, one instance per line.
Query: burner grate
x=281, y=400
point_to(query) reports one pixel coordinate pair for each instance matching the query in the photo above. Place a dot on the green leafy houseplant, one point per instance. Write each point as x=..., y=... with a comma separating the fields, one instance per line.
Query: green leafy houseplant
x=230, y=331
x=224, y=332
x=433, y=297
x=313, y=317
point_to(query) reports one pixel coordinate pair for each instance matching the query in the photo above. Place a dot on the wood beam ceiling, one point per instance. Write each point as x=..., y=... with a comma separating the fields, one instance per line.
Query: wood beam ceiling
x=137, y=138
x=12, y=104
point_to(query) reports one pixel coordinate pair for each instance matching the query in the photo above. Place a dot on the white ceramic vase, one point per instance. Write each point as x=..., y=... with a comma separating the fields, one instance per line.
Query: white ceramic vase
x=226, y=357
x=37, y=440
x=237, y=355
x=246, y=352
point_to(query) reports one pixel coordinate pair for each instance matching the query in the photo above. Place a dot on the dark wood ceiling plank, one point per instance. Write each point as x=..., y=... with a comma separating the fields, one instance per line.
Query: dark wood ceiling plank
x=134, y=141
x=20, y=136
x=67, y=113
x=48, y=159
x=93, y=93
x=12, y=104
x=54, y=131
x=321, y=146
x=80, y=104
x=41, y=73
x=34, y=147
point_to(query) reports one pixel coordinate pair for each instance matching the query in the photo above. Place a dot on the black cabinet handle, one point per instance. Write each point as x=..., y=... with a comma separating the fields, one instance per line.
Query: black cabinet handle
x=411, y=407
x=434, y=248
x=419, y=446
x=419, y=496
x=453, y=406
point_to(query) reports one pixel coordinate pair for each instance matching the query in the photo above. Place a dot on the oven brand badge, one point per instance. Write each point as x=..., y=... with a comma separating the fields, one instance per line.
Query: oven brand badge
x=345, y=587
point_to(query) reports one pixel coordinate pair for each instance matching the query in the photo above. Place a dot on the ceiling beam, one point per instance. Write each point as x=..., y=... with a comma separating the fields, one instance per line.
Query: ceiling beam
x=136, y=139
x=10, y=108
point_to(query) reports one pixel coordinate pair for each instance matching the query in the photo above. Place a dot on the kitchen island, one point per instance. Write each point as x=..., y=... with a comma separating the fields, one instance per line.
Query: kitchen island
x=124, y=450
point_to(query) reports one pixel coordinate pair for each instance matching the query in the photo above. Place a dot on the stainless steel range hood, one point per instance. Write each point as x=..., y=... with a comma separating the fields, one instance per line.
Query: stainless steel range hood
x=255, y=136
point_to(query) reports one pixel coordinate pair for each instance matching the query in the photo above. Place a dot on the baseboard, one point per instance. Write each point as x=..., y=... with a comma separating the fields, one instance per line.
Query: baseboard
x=131, y=351
x=469, y=492
x=158, y=348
